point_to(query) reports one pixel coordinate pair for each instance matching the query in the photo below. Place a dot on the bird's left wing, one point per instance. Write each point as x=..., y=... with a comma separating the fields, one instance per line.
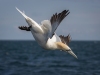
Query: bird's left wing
x=24, y=28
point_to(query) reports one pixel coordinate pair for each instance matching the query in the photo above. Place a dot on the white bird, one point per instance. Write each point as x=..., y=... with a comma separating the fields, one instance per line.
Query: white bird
x=45, y=34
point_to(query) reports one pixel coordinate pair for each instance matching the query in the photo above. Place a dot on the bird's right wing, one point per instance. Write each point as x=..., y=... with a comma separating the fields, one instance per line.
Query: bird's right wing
x=49, y=26
x=56, y=20
x=46, y=27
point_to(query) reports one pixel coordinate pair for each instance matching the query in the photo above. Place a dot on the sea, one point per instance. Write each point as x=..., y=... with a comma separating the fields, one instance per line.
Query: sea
x=28, y=58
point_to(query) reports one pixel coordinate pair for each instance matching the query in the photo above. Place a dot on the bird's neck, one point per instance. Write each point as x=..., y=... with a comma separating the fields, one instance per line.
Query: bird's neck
x=61, y=46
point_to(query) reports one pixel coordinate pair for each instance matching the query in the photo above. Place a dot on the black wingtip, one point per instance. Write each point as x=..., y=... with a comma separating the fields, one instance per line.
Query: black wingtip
x=66, y=39
x=24, y=28
x=58, y=18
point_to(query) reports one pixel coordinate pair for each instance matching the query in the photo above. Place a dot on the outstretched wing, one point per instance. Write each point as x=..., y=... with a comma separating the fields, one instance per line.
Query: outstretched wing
x=49, y=26
x=56, y=20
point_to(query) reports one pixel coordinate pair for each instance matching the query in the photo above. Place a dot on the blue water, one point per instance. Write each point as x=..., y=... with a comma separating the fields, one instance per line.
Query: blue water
x=28, y=58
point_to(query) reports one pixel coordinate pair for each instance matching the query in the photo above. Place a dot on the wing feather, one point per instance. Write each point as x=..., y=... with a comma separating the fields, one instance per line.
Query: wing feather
x=66, y=39
x=49, y=26
x=56, y=20
x=24, y=28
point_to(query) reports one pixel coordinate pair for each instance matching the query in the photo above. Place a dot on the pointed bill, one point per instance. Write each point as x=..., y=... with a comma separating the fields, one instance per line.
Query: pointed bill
x=72, y=53
x=21, y=13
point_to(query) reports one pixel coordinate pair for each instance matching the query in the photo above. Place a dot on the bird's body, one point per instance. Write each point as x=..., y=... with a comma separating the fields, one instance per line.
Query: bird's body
x=45, y=34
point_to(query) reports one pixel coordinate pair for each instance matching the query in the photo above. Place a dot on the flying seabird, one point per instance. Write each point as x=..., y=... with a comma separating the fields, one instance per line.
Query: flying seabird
x=45, y=35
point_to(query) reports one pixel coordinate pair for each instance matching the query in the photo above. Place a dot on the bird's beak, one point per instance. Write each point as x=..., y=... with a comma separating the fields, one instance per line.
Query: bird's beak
x=66, y=48
x=72, y=53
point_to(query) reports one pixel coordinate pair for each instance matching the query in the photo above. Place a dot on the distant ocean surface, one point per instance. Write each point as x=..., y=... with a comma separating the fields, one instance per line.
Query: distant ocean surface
x=28, y=58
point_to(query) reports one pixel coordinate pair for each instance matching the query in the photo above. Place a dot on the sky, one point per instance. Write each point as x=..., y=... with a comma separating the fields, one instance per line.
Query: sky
x=83, y=22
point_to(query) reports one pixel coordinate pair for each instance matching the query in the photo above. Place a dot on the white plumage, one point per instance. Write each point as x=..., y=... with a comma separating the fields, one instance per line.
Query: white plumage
x=45, y=34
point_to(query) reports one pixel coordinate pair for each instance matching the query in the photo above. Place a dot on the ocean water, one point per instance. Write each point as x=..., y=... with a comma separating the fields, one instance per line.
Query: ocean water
x=28, y=58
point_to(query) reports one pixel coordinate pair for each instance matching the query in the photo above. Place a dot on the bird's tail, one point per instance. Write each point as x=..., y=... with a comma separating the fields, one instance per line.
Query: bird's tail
x=23, y=14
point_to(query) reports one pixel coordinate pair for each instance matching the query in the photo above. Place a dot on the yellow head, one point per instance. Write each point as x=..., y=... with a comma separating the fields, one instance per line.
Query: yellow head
x=65, y=47
x=62, y=46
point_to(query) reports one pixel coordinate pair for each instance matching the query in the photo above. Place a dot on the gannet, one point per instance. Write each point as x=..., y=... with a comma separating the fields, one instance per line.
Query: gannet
x=45, y=35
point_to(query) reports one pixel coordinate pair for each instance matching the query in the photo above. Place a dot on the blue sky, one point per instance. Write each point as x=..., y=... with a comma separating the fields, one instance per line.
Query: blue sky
x=83, y=22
